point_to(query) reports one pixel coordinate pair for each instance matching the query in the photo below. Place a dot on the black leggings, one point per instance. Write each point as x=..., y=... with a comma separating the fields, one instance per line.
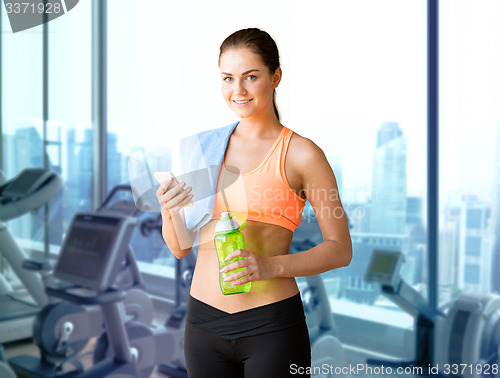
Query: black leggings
x=267, y=341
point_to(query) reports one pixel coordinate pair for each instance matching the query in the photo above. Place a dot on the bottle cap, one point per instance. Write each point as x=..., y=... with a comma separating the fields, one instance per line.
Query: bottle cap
x=226, y=223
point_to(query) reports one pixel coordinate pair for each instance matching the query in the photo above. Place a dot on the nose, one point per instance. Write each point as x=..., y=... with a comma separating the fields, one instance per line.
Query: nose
x=240, y=87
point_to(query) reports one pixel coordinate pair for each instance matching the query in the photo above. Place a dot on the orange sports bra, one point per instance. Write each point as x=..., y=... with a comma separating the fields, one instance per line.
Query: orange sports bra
x=263, y=194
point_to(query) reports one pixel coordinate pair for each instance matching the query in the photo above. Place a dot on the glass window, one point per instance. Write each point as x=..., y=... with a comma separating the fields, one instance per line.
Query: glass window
x=22, y=115
x=361, y=96
x=65, y=138
x=469, y=144
x=364, y=104
x=69, y=130
x=473, y=246
x=472, y=274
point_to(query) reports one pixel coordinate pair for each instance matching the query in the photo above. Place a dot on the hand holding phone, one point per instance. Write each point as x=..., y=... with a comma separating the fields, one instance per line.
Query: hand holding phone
x=173, y=193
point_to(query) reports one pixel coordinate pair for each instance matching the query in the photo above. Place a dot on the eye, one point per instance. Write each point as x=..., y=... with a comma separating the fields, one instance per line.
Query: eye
x=252, y=76
x=225, y=79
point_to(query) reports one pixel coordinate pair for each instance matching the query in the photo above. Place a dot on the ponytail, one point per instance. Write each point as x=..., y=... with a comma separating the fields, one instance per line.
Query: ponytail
x=274, y=105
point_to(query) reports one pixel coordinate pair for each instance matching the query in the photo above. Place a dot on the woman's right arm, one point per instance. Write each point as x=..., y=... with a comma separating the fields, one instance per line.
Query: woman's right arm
x=179, y=239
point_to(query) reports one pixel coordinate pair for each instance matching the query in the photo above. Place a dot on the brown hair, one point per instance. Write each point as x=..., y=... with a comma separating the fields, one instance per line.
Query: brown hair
x=260, y=43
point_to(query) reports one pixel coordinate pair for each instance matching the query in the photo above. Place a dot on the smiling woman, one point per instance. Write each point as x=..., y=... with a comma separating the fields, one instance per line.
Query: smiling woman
x=259, y=155
x=240, y=50
x=247, y=94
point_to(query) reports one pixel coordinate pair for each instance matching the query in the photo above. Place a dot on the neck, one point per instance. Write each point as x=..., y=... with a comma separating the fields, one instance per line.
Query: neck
x=259, y=126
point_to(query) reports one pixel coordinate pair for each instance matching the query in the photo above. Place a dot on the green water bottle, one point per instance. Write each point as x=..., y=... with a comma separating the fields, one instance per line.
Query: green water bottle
x=229, y=238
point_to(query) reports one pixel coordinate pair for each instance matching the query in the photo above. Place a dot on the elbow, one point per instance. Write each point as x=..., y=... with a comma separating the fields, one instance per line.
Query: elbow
x=180, y=254
x=341, y=254
x=347, y=249
x=177, y=254
x=348, y=255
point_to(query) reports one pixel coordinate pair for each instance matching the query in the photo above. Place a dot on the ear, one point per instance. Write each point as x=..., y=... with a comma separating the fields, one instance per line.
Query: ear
x=276, y=77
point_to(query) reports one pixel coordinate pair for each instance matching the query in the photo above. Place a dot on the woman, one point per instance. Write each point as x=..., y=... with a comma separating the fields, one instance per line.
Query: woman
x=261, y=333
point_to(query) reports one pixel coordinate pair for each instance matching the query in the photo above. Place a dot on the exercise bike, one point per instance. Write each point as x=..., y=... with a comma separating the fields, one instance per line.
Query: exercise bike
x=92, y=255
x=64, y=329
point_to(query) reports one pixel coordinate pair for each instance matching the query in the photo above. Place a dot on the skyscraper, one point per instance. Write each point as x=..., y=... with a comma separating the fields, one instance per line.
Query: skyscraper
x=388, y=204
x=495, y=216
x=475, y=245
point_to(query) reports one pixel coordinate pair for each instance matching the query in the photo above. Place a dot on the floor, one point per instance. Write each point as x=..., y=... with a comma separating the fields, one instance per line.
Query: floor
x=24, y=347
x=27, y=347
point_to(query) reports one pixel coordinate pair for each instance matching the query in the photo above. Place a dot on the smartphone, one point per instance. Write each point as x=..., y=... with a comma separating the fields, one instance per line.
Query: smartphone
x=164, y=176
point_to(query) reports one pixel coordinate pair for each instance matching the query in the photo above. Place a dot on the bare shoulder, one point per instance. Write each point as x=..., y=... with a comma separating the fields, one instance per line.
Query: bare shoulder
x=305, y=162
x=303, y=151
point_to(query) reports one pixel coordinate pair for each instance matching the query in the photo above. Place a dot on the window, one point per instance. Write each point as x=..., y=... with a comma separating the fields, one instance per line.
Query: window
x=360, y=96
x=22, y=130
x=69, y=130
x=472, y=274
x=65, y=137
x=469, y=144
x=473, y=246
x=354, y=82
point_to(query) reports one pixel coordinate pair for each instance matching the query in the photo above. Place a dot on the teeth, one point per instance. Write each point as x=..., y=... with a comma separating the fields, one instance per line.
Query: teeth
x=242, y=102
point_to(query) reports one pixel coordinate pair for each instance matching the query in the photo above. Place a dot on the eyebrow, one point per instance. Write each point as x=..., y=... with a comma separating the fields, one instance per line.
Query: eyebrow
x=244, y=73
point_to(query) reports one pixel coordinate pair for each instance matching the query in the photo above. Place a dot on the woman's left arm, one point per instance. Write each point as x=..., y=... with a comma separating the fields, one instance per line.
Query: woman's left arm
x=320, y=188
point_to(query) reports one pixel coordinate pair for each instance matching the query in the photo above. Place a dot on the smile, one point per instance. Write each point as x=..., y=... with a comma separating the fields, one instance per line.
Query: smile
x=242, y=101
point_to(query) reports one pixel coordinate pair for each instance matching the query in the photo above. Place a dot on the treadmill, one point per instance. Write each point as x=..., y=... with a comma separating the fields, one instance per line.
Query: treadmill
x=29, y=190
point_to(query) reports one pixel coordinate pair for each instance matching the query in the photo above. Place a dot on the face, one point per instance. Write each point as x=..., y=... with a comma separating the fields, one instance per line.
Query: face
x=247, y=84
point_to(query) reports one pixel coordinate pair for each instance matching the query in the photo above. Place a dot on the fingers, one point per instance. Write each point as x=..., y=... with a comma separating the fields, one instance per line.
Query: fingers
x=179, y=200
x=240, y=278
x=253, y=267
x=171, y=193
x=235, y=253
x=175, y=198
x=163, y=187
x=240, y=264
x=235, y=265
x=188, y=198
x=243, y=280
x=176, y=195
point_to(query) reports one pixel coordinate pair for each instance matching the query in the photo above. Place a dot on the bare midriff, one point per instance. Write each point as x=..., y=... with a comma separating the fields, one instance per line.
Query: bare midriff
x=262, y=238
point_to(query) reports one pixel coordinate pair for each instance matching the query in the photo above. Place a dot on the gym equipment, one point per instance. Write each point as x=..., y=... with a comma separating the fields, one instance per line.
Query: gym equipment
x=61, y=330
x=467, y=337
x=92, y=254
x=175, y=324
x=5, y=370
x=174, y=364
x=326, y=348
x=28, y=191
x=384, y=267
